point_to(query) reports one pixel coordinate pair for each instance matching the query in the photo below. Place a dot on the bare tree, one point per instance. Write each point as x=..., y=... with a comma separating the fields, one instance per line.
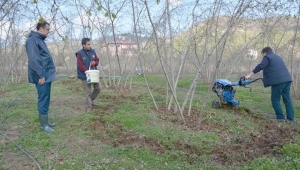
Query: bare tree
x=215, y=34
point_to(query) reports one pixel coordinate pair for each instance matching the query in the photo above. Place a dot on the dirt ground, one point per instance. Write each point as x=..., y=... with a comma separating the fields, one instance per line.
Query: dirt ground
x=231, y=150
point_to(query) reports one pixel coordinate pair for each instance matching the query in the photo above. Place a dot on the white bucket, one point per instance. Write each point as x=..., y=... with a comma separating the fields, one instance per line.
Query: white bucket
x=92, y=76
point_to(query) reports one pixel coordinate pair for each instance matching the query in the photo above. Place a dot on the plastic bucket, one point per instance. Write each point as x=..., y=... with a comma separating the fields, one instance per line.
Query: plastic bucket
x=92, y=76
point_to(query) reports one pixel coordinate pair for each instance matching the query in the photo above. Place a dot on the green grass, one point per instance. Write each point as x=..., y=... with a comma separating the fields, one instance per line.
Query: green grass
x=127, y=132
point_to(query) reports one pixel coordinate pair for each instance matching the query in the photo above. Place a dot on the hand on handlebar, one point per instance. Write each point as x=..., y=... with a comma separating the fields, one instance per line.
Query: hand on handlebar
x=247, y=77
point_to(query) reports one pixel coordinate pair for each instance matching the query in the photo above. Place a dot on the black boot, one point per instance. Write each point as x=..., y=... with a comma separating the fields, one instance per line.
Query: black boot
x=44, y=123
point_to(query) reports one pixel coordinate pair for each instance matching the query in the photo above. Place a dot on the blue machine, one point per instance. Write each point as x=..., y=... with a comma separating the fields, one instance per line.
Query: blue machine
x=225, y=90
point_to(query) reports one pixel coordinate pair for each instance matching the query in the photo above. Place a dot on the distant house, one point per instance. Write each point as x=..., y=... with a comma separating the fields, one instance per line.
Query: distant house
x=124, y=48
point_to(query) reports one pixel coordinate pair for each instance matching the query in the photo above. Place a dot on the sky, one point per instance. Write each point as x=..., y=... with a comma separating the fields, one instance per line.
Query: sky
x=123, y=22
x=181, y=15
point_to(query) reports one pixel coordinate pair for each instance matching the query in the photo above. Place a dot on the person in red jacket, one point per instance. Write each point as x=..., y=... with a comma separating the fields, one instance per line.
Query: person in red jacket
x=87, y=57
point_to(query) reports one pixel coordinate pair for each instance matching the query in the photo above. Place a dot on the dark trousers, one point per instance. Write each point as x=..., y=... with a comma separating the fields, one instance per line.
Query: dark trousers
x=90, y=96
x=43, y=92
x=278, y=91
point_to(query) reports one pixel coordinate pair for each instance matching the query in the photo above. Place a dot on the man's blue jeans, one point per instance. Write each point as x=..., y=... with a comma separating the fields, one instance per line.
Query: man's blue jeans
x=283, y=90
x=43, y=97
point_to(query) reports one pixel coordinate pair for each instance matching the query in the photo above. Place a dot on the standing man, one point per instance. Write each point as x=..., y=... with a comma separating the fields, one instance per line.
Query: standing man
x=86, y=57
x=276, y=75
x=41, y=70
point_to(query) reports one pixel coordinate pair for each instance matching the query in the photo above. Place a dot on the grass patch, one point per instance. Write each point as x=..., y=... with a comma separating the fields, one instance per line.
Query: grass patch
x=127, y=131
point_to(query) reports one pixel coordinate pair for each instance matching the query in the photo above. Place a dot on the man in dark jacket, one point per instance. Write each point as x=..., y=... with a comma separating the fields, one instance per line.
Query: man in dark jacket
x=41, y=71
x=276, y=75
x=87, y=57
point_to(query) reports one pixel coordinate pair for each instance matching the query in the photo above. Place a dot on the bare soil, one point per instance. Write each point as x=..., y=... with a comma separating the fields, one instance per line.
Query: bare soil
x=231, y=150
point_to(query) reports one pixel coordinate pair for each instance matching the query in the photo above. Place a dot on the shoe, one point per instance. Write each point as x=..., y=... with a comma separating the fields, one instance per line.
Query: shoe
x=290, y=121
x=89, y=110
x=279, y=120
x=51, y=124
x=95, y=104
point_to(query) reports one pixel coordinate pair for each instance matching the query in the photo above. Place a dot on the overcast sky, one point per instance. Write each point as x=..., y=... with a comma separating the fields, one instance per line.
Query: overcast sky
x=181, y=14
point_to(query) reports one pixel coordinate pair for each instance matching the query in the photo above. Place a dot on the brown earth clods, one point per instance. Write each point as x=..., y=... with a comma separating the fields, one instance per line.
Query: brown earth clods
x=229, y=150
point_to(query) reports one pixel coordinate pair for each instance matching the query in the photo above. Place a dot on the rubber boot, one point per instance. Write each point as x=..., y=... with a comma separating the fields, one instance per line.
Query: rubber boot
x=44, y=123
x=51, y=124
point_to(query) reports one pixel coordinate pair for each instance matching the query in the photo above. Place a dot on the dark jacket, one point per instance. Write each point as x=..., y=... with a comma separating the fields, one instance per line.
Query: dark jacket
x=274, y=70
x=84, y=59
x=40, y=62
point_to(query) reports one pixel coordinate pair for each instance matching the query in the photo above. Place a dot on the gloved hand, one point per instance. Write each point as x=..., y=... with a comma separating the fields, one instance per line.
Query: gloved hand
x=93, y=63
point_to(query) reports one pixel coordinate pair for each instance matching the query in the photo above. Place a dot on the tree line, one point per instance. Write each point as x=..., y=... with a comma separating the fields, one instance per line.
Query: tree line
x=203, y=39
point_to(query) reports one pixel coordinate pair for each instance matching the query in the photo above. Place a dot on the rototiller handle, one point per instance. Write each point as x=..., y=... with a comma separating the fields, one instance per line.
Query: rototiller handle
x=244, y=82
